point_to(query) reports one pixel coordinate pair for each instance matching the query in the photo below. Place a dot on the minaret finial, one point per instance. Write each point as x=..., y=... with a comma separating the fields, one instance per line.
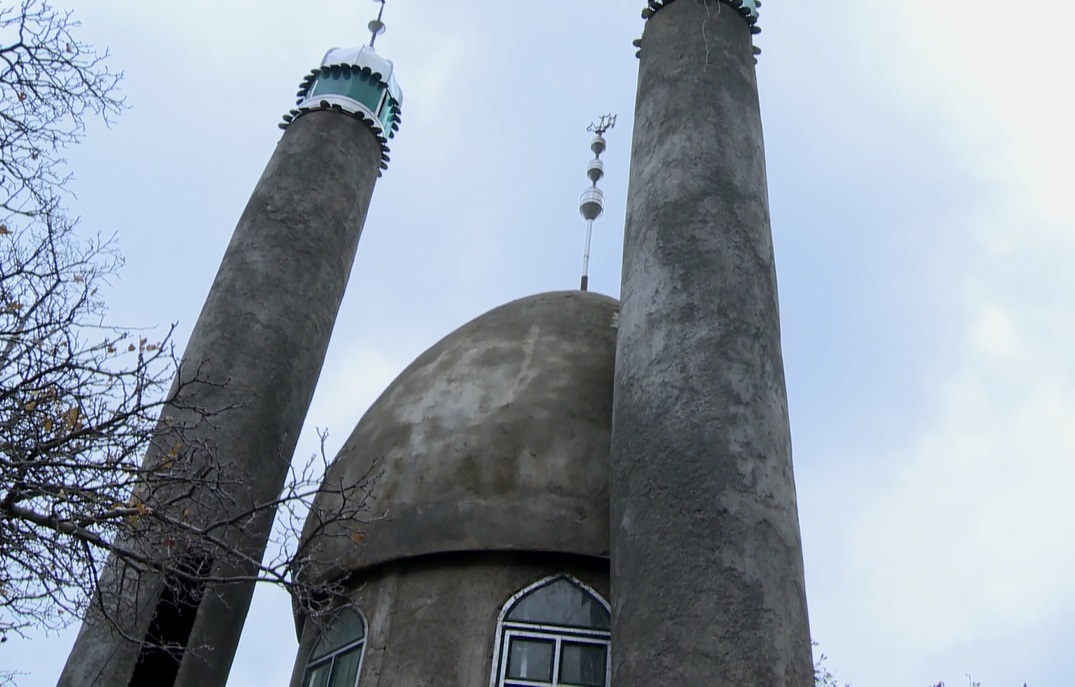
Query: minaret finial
x=602, y=125
x=377, y=25
x=592, y=203
x=357, y=82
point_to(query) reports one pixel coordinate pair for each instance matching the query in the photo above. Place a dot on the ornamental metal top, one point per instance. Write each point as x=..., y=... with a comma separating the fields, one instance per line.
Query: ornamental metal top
x=357, y=82
x=366, y=58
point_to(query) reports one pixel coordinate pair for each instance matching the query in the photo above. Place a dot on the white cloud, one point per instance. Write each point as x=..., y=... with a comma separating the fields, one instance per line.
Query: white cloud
x=958, y=542
x=354, y=378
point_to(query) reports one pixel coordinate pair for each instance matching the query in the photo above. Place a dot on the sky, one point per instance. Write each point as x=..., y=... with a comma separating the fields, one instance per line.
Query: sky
x=919, y=176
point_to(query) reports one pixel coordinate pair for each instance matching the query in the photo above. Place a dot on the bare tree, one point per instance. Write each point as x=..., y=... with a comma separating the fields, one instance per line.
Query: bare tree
x=49, y=84
x=97, y=468
x=824, y=677
x=60, y=369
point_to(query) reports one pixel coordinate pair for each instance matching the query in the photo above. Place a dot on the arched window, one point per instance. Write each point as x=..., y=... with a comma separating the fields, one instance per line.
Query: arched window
x=555, y=632
x=337, y=657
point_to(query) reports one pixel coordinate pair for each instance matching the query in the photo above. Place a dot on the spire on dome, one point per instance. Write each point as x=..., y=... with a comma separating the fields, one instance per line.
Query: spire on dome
x=592, y=203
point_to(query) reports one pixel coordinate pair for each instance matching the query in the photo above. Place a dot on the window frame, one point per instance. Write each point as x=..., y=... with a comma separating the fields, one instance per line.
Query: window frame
x=330, y=658
x=559, y=634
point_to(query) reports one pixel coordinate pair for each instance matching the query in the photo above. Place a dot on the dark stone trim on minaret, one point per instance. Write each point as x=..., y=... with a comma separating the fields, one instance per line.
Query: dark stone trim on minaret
x=739, y=6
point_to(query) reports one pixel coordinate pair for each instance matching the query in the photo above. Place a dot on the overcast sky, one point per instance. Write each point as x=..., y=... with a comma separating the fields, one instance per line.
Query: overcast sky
x=919, y=161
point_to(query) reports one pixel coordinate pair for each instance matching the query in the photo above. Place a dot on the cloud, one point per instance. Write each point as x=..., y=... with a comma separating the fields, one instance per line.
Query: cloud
x=954, y=540
x=354, y=378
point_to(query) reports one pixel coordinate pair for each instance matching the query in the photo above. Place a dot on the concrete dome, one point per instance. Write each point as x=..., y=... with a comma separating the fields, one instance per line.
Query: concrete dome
x=496, y=438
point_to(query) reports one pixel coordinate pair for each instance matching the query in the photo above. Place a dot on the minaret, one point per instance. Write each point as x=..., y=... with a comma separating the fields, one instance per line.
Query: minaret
x=592, y=203
x=252, y=363
x=707, y=570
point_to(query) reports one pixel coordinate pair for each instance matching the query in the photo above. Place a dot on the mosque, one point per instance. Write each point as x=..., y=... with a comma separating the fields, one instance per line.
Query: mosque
x=571, y=490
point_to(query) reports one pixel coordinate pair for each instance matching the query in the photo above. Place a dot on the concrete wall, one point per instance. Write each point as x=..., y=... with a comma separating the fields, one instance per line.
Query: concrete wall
x=707, y=572
x=257, y=349
x=496, y=438
x=432, y=621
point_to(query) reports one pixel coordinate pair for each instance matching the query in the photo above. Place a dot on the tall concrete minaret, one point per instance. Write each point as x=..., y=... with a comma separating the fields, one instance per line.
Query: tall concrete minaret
x=252, y=362
x=707, y=570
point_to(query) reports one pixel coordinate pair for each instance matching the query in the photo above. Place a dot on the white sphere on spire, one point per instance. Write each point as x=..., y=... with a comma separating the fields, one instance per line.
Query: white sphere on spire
x=595, y=170
x=592, y=203
x=598, y=145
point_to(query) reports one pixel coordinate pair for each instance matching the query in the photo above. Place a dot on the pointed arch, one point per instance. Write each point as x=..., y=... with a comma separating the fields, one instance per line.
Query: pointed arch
x=553, y=632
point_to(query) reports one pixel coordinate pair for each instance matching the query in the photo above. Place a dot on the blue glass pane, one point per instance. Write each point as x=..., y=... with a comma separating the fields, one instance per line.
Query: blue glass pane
x=345, y=668
x=582, y=664
x=386, y=115
x=530, y=659
x=356, y=86
x=317, y=676
x=561, y=603
x=343, y=629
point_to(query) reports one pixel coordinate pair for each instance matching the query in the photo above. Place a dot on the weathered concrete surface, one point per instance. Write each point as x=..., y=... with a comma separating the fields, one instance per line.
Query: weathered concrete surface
x=707, y=572
x=260, y=343
x=496, y=438
x=432, y=621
